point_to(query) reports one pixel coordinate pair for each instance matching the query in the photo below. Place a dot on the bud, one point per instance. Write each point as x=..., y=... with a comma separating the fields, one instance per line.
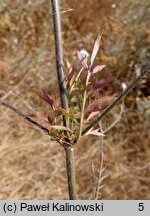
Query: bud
x=84, y=53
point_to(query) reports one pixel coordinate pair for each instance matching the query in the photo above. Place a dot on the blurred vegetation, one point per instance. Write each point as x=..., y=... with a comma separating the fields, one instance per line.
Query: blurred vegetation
x=33, y=167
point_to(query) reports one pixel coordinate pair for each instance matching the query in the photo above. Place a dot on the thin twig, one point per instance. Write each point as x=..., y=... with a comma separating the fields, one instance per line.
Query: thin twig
x=24, y=116
x=82, y=109
x=111, y=106
x=101, y=176
x=117, y=119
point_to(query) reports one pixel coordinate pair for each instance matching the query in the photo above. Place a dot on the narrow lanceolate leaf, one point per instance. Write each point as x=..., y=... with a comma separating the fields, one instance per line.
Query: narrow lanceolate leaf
x=70, y=74
x=68, y=64
x=38, y=115
x=60, y=127
x=95, y=49
x=88, y=77
x=70, y=78
x=82, y=59
x=98, y=85
x=92, y=115
x=50, y=100
x=94, y=132
x=100, y=103
x=98, y=68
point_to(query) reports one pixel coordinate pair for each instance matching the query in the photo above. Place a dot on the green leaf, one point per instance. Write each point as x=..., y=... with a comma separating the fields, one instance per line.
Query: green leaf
x=67, y=114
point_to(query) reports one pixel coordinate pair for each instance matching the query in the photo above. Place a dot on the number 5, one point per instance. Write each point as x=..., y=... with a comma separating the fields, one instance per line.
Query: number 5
x=141, y=206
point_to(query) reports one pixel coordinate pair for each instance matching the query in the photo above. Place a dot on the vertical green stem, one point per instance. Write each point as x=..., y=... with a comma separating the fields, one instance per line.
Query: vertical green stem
x=82, y=117
x=101, y=168
x=83, y=107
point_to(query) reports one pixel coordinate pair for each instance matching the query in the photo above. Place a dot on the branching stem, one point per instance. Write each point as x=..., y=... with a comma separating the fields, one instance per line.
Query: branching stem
x=63, y=95
x=24, y=116
x=111, y=106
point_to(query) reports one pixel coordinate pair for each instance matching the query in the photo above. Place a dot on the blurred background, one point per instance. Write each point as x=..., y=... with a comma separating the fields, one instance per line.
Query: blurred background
x=32, y=166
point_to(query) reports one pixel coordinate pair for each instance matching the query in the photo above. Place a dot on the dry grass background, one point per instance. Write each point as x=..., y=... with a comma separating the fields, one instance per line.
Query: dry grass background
x=33, y=167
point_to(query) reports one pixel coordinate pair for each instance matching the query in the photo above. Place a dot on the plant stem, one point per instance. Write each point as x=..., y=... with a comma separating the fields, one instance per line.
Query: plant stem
x=63, y=95
x=101, y=169
x=70, y=172
x=24, y=116
x=76, y=80
x=111, y=106
x=81, y=118
x=59, y=52
x=83, y=107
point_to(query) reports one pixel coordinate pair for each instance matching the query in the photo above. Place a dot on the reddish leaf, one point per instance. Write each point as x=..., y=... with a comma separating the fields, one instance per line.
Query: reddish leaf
x=50, y=100
x=39, y=115
x=99, y=84
x=98, y=68
x=94, y=132
x=95, y=49
x=101, y=103
x=82, y=59
x=93, y=114
x=60, y=127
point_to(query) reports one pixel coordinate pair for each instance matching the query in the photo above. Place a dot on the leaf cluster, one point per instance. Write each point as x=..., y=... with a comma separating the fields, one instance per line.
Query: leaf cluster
x=85, y=100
